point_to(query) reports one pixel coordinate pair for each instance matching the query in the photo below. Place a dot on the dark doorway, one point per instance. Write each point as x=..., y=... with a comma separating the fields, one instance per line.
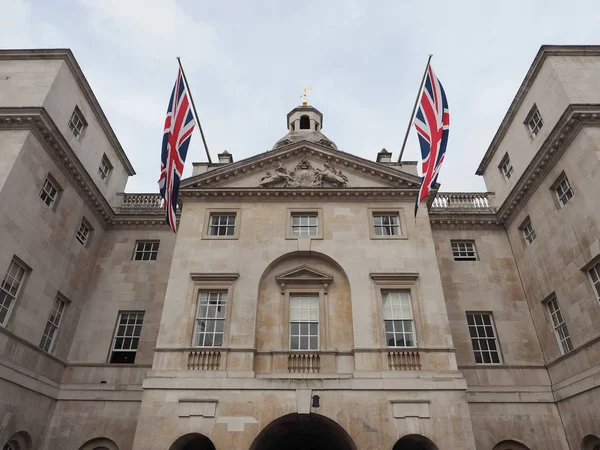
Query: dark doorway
x=303, y=432
x=414, y=442
x=193, y=441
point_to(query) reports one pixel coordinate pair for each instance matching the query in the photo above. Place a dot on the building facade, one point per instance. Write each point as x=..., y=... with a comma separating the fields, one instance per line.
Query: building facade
x=300, y=305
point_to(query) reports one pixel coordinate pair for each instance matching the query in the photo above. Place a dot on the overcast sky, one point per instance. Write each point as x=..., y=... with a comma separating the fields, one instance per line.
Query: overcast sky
x=248, y=61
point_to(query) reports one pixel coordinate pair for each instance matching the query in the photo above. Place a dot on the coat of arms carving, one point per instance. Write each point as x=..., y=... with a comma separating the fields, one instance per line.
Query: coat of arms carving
x=304, y=175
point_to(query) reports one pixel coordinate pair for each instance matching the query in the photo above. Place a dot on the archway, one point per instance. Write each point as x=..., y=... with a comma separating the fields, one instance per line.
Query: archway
x=414, y=442
x=590, y=442
x=510, y=445
x=99, y=443
x=192, y=441
x=303, y=432
x=18, y=441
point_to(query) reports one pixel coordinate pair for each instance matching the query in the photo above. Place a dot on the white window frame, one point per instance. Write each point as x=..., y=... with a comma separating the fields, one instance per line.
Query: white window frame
x=594, y=276
x=213, y=322
x=398, y=312
x=389, y=221
x=77, y=123
x=305, y=224
x=306, y=316
x=15, y=274
x=506, y=167
x=84, y=233
x=481, y=330
x=528, y=231
x=534, y=121
x=105, y=168
x=226, y=225
x=50, y=193
x=132, y=330
x=49, y=336
x=561, y=332
x=145, y=248
x=463, y=250
x=563, y=190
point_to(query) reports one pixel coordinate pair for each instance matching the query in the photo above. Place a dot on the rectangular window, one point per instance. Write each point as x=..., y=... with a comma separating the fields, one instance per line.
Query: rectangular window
x=483, y=338
x=105, y=168
x=77, y=123
x=506, y=167
x=463, y=251
x=221, y=225
x=83, y=233
x=594, y=273
x=47, y=343
x=304, y=322
x=145, y=251
x=534, y=121
x=563, y=190
x=127, y=337
x=398, y=319
x=528, y=232
x=560, y=328
x=305, y=224
x=386, y=224
x=9, y=289
x=210, y=319
x=49, y=193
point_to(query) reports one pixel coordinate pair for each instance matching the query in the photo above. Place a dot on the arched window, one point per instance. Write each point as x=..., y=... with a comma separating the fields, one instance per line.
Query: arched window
x=590, y=442
x=510, y=445
x=414, y=442
x=100, y=443
x=18, y=441
x=193, y=441
x=304, y=123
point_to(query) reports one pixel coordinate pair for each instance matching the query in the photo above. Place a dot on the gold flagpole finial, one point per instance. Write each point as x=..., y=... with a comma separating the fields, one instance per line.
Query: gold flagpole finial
x=303, y=96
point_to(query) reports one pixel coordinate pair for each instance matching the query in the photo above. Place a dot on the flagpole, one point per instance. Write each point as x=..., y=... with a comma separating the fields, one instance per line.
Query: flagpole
x=414, y=109
x=195, y=112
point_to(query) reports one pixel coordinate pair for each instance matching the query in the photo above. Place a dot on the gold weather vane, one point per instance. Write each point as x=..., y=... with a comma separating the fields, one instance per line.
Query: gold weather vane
x=303, y=96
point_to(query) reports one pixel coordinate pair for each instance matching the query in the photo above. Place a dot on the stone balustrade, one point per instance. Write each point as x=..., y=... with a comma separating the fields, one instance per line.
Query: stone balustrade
x=404, y=360
x=304, y=363
x=204, y=360
x=463, y=201
x=141, y=201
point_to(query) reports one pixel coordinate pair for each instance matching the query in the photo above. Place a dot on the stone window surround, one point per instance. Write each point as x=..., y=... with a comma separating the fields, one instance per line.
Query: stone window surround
x=405, y=281
x=458, y=257
x=78, y=115
x=496, y=337
x=28, y=270
x=401, y=218
x=210, y=282
x=108, y=168
x=521, y=228
x=591, y=264
x=54, y=341
x=307, y=210
x=90, y=233
x=224, y=211
x=559, y=179
x=57, y=186
x=538, y=125
x=506, y=168
x=567, y=342
x=116, y=329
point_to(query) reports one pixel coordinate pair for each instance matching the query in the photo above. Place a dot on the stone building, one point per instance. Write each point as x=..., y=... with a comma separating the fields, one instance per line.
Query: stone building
x=300, y=305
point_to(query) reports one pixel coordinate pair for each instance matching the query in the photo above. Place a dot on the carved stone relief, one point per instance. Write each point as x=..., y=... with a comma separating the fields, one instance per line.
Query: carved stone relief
x=304, y=175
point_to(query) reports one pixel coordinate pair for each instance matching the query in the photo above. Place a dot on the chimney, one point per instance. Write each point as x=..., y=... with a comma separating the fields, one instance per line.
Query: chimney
x=384, y=156
x=225, y=157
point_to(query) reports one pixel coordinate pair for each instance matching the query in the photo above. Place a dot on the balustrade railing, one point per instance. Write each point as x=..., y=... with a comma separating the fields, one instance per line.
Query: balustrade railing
x=469, y=201
x=404, y=360
x=304, y=363
x=204, y=360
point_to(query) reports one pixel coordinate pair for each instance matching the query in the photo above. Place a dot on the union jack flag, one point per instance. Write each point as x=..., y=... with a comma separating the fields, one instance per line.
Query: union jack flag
x=432, y=122
x=179, y=125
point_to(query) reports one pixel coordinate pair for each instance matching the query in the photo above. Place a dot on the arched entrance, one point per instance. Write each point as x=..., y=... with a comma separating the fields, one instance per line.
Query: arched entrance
x=303, y=432
x=510, y=445
x=192, y=441
x=414, y=442
x=590, y=442
x=18, y=441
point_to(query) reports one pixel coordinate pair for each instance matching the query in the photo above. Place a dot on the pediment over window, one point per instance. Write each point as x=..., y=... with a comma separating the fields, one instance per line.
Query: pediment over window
x=304, y=275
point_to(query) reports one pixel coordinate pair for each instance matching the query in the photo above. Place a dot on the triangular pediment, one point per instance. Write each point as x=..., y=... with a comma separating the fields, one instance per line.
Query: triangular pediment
x=303, y=165
x=304, y=274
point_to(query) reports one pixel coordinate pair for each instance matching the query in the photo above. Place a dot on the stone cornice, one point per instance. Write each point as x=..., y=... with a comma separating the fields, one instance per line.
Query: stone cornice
x=67, y=56
x=379, y=172
x=575, y=117
x=454, y=221
x=343, y=194
x=544, y=52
